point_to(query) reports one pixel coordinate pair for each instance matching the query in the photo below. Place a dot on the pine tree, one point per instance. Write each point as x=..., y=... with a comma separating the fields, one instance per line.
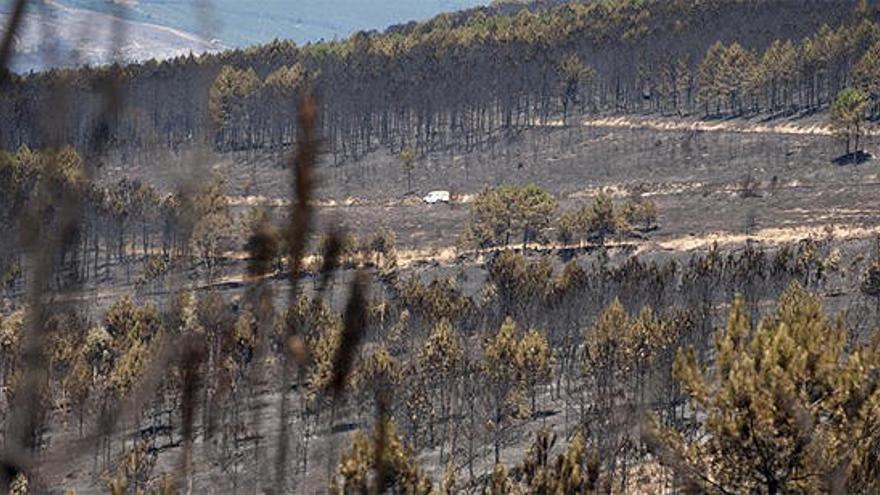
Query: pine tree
x=571, y=226
x=709, y=77
x=736, y=76
x=535, y=207
x=572, y=472
x=382, y=244
x=602, y=220
x=500, y=482
x=641, y=214
x=870, y=285
x=603, y=360
x=778, y=72
x=534, y=359
x=439, y=363
x=228, y=105
x=11, y=328
x=379, y=463
x=377, y=374
x=785, y=408
x=848, y=116
x=573, y=73
x=78, y=385
x=324, y=350
x=503, y=379
x=408, y=163
x=866, y=74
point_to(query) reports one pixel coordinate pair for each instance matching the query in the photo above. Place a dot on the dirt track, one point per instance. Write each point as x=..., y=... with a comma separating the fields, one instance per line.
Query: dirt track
x=696, y=172
x=740, y=126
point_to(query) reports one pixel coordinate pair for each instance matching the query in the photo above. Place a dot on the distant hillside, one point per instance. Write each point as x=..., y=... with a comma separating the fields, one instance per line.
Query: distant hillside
x=57, y=35
x=236, y=23
x=67, y=32
x=459, y=78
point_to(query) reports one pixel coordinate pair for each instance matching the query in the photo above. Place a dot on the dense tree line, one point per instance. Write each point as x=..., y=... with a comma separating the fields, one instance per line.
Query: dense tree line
x=501, y=215
x=459, y=79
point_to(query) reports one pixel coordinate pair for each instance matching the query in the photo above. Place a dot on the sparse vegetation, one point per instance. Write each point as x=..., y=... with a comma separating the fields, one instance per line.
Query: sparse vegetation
x=186, y=332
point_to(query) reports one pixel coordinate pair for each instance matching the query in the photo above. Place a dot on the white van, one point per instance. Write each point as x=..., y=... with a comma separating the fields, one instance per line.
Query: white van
x=435, y=197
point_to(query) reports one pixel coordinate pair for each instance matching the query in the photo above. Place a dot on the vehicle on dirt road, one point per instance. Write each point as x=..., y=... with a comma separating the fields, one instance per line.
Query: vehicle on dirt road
x=435, y=197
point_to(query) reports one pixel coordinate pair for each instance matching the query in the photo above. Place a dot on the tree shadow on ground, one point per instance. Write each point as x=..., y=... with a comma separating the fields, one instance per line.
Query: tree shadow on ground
x=854, y=158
